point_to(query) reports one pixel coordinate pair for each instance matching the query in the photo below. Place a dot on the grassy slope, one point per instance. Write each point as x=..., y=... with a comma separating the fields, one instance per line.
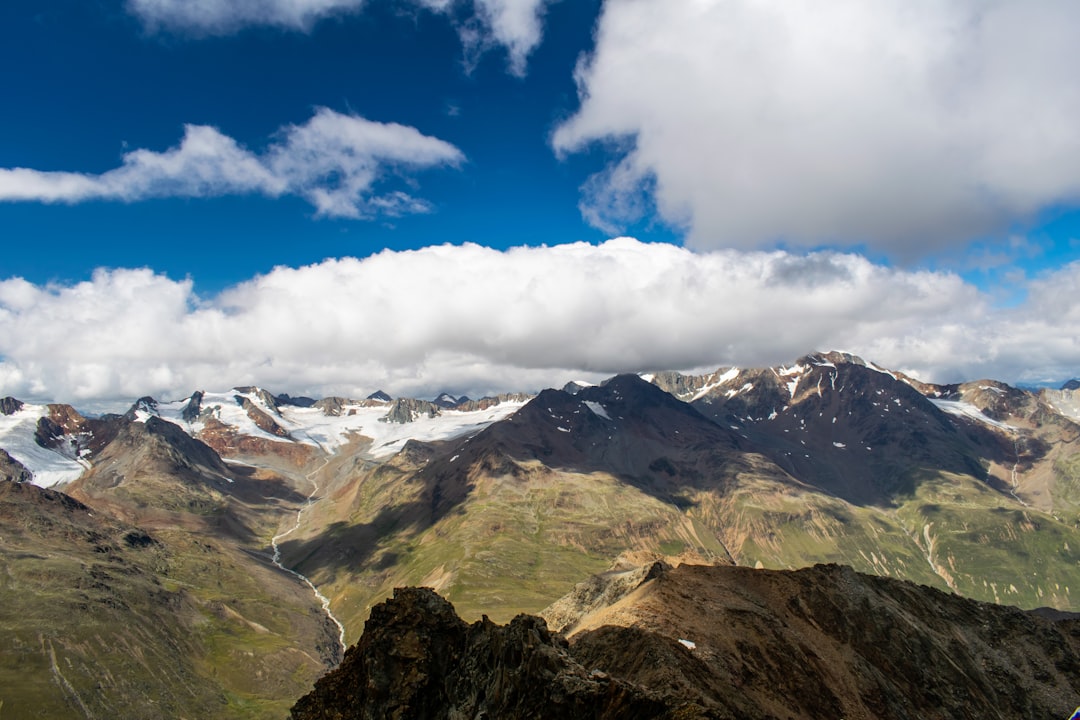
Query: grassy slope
x=521, y=540
x=194, y=624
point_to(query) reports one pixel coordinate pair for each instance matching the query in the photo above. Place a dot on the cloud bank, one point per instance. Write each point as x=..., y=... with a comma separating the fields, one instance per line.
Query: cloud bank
x=333, y=161
x=902, y=124
x=476, y=320
x=516, y=25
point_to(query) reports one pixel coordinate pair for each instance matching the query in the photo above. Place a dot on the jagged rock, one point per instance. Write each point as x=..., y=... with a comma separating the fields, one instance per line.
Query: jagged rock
x=379, y=395
x=446, y=400
x=266, y=398
x=193, y=409
x=467, y=405
x=144, y=404
x=715, y=642
x=574, y=387
x=332, y=406
x=261, y=419
x=406, y=410
x=417, y=659
x=10, y=406
x=12, y=470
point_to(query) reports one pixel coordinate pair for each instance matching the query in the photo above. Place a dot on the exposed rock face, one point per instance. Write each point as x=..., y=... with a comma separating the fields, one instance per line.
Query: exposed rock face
x=261, y=419
x=332, y=406
x=10, y=406
x=265, y=397
x=467, y=405
x=12, y=470
x=406, y=410
x=146, y=404
x=193, y=409
x=716, y=642
x=598, y=592
x=418, y=659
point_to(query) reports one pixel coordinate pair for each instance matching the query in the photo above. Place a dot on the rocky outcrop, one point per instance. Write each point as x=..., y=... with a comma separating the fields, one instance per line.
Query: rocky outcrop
x=417, y=659
x=331, y=406
x=264, y=397
x=467, y=405
x=261, y=419
x=599, y=591
x=12, y=470
x=193, y=408
x=10, y=406
x=143, y=406
x=406, y=410
x=715, y=642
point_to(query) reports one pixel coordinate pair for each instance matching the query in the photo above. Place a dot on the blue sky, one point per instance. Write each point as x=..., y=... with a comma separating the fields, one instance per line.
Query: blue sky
x=911, y=171
x=84, y=82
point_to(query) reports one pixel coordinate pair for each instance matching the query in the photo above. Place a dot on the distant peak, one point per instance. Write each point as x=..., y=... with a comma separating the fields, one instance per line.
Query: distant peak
x=379, y=395
x=575, y=386
x=10, y=406
x=445, y=400
x=1073, y=384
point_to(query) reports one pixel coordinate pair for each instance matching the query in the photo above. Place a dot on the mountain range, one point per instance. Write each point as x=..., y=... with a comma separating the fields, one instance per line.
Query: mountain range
x=214, y=555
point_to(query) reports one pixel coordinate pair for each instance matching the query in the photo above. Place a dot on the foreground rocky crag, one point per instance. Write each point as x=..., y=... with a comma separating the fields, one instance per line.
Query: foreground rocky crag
x=715, y=642
x=418, y=659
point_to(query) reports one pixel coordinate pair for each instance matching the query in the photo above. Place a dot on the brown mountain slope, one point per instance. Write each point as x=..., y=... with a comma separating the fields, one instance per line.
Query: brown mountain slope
x=716, y=642
x=152, y=594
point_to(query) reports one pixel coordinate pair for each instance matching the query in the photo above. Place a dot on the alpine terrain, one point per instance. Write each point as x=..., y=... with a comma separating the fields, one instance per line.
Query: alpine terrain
x=213, y=556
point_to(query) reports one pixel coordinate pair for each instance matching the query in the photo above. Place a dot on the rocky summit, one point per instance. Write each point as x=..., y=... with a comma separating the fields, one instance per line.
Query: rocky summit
x=719, y=643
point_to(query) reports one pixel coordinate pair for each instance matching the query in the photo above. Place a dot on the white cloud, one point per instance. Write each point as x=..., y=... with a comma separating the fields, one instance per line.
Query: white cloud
x=475, y=320
x=334, y=161
x=904, y=124
x=516, y=25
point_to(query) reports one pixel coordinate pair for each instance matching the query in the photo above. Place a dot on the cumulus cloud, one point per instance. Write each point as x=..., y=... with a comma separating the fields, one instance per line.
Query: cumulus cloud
x=902, y=124
x=516, y=25
x=334, y=161
x=524, y=318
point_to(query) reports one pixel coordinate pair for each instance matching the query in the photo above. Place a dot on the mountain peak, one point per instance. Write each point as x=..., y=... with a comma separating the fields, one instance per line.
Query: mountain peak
x=379, y=395
x=10, y=406
x=445, y=400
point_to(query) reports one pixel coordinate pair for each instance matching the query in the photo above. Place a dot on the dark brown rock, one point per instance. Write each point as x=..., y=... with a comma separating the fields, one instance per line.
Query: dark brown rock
x=716, y=642
x=418, y=659
x=10, y=406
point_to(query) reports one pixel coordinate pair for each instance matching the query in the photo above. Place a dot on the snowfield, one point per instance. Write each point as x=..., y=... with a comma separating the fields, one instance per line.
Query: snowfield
x=963, y=409
x=312, y=426
x=49, y=467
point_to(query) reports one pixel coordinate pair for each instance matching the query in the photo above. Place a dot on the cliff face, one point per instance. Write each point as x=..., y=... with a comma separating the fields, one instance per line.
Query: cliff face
x=715, y=642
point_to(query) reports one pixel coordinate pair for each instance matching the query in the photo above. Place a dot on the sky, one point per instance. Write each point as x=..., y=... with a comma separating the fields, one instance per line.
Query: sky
x=337, y=196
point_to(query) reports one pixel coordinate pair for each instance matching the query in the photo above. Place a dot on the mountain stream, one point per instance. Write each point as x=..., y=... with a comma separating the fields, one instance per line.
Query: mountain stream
x=276, y=559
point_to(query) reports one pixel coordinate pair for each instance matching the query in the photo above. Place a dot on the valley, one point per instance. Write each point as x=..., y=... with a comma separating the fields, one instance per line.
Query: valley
x=220, y=552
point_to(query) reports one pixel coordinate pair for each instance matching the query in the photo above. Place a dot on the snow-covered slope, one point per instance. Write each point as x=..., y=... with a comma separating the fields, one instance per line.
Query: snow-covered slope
x=326, y=430
x=49, y=467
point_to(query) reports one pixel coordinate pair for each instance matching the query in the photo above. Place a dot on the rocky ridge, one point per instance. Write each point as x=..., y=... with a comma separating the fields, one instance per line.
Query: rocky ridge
x=715, y=642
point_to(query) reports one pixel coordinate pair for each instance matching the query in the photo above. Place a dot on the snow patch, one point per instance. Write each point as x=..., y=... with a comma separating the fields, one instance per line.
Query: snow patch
x=967, y=410
x=597, y=409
